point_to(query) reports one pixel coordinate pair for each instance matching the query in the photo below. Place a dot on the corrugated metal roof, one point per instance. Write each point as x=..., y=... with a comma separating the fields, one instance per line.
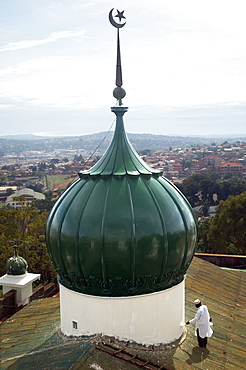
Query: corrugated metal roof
x=31, y=338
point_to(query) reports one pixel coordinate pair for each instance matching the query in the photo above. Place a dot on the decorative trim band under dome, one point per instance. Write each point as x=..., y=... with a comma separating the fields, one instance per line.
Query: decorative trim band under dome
x=121, y=287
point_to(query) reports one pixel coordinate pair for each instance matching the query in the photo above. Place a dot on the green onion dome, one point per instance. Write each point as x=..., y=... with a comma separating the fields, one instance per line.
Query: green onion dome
x=121, y=229
x=16, y=265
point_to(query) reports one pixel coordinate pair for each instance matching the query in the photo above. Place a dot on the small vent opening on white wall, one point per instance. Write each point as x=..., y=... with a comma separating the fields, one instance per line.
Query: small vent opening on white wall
x=75, y=324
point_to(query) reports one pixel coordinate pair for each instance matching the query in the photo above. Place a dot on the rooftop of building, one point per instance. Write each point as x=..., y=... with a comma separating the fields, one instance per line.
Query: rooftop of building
x=31, y=338
x=212, y=156
x=229, y=164
x=26, y=192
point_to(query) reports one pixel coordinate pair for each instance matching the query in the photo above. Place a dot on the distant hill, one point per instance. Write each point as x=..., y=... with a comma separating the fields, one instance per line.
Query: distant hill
x=22, y=137
x=101, y=140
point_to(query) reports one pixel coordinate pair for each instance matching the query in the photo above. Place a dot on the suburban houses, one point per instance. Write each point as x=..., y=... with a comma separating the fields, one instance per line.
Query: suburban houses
x=225, y=160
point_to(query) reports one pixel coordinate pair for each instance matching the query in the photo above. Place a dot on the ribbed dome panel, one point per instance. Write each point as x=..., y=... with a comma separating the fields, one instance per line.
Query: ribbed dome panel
x=121, y=236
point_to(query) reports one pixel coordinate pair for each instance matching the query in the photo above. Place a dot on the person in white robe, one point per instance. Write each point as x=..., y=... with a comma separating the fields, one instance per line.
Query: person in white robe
x=203, y=323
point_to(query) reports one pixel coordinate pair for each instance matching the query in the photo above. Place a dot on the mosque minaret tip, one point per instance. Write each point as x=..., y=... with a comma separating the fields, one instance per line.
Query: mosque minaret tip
x=121, y=238
x=119, y=93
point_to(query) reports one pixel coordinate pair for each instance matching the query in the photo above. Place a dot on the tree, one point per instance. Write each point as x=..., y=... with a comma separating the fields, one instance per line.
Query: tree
x=43, y=204
x=144, y=152
x=207, y=187
x=205, y=207
x=227, y=232
x=54, y=160
x=42, y=166
x=225, y=188
x=78, y=158
x=26, y=227
x=197, y=183
x=203, y=245
x=186, y=163
x=3, y=179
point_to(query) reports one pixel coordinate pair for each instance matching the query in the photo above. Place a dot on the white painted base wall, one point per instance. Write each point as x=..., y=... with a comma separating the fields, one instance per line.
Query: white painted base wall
x=21, y=283
x=146, y=319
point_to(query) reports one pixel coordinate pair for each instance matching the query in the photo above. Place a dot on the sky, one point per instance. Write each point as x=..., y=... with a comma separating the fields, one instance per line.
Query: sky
x=183, y=64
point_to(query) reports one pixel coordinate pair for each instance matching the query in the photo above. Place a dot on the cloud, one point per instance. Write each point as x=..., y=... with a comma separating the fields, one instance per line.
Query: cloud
x=63, y=81
x=54, y=36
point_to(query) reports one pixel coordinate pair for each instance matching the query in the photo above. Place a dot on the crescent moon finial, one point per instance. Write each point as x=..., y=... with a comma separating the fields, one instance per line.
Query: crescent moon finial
x=119, y=15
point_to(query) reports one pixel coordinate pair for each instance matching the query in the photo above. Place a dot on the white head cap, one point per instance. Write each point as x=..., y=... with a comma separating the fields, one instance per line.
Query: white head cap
x=197, y=301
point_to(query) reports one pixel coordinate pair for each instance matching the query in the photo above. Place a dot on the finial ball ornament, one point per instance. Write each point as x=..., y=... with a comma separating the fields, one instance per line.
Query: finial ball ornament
x=119, y=93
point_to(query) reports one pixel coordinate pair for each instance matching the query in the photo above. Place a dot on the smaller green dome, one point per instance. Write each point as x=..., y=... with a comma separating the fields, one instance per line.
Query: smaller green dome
x=16, y=265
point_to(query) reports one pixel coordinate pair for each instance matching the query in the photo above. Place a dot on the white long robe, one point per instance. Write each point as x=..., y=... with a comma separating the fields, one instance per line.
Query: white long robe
x=202, y=322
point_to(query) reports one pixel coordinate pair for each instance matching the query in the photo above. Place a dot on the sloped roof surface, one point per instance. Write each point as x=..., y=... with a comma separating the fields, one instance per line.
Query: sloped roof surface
x=31, y=338
x=229, y=164
x=26, y=192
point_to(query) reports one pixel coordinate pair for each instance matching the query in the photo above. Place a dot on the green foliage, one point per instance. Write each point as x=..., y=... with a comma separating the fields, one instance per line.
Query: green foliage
x=208, y=185
x=226, y=188
x=26, y=226
x=197, y=183
x=203, y=245
x=205, y=207
x=43, y=204
x=227, y=233
x=3, y=179
x=145, y=152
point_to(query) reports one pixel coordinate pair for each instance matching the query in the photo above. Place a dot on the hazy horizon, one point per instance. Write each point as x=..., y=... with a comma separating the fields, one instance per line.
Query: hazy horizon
x=226, y=136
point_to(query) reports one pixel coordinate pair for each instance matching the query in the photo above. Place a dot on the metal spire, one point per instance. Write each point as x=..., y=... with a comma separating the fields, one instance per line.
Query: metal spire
x=119, y=93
